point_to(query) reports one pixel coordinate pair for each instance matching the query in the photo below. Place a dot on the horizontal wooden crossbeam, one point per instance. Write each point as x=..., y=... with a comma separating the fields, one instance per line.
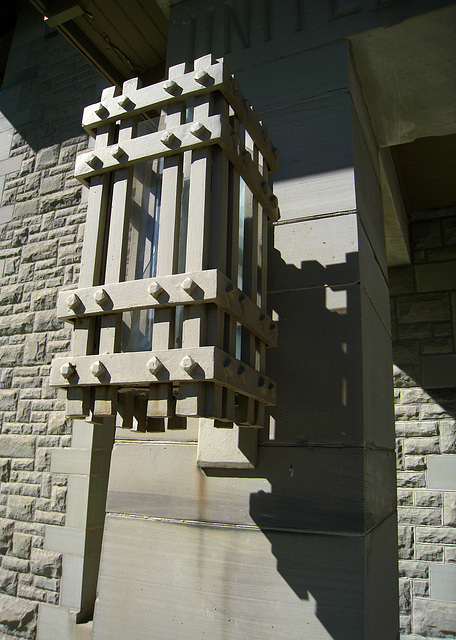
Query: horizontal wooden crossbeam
x=178, y=365
x=209, y=286
x=134, y=101
x=212, y=130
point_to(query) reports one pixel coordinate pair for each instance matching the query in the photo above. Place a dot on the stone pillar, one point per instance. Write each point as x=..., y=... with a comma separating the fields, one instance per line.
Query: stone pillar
x=305, y=544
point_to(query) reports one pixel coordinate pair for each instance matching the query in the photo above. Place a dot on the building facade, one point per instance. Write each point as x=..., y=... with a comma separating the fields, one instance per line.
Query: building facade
x=218, y=530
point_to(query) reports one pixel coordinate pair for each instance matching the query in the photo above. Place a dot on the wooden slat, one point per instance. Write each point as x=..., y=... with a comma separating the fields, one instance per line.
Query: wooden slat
x=105, y=399
x=132, y=369
x=190, y=398
x=263, y=243
x=246, y=410
x=161, y=401
x=155, y=96
x=78, y=400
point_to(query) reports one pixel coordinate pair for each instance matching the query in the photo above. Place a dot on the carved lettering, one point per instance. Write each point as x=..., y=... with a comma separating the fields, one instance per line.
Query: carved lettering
x=233, y=24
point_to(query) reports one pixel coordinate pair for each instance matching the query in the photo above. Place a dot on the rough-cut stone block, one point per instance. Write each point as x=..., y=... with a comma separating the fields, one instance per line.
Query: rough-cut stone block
x=5, y=468
x=18, y=565
x=52, y=183
x=410, y=479
x=434, y=618
x=11, y=355
x=23, y=323
x=428, y=499
x=406, y=412
x=405, y=542
x=430, y=411
x=421, y=446
x=20, y=508
x=31, y=593
x=46, y=321
x=449, y=508
x=412, y=396
x=447, y=436
x=421, y=428
x=429, y=552
x=58, y=499
x=401, y=378
x=34, y=349
x=8, y=582
x=404, y=595
x=21, y=545
x=420, y=588
x=50, y=584
x=8, y=400
x=26, y=208
x=404, y=498
x=411, y=569
x=412, y=515
x=50, y=517
x=436, y=535
x=405, y=625
x=17, y=446
x=18, y=616
x=39, y=251
x=11, y=294
x=415, y=463
x=46, y=158
x=46, y=563
x=44, y=299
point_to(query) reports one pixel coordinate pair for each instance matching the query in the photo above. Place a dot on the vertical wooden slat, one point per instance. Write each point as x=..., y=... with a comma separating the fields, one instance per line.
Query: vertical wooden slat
x=160, y=402
x=105, y=398
x=245, y=414
x=190, y=399
x=263, y=273
x=215, y=403
x=233, y=265
x=78, y=399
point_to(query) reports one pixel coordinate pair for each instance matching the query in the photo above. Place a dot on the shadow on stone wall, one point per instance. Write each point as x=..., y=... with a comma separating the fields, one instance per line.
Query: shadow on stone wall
x=46, y=85
x=314, y=515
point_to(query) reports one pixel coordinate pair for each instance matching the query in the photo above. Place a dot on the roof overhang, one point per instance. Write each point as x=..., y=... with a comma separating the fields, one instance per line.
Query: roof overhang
x=122, y=39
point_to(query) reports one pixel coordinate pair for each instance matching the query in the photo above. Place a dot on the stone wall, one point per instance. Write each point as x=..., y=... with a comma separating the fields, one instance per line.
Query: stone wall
x=42, y=214
x=424, y=322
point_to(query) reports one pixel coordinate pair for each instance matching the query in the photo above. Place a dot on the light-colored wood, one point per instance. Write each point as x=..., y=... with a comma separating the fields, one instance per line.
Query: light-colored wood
x=218, y=131
x=246, y=409
x=79, y=401
x=212, y=364
x=161, y=401
x=190, y=398
x=211, y=287
x=210, y=328
x=105, y=399
x=155, y=96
